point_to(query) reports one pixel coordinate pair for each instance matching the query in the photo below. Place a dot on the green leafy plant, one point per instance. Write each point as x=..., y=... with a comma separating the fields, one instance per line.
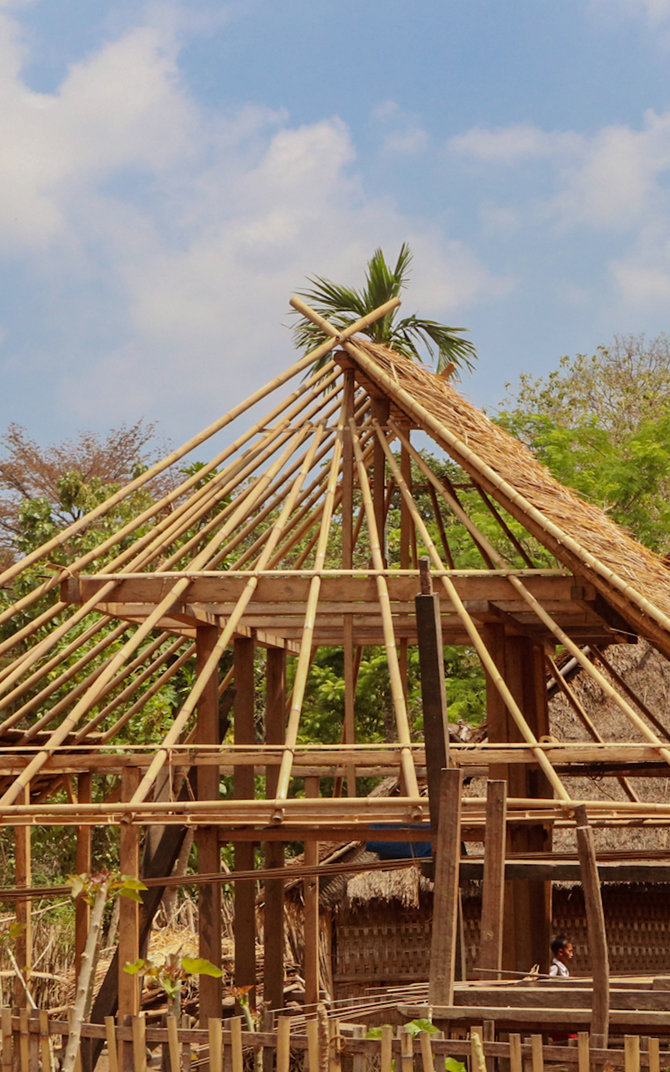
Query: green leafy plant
x=171, y=973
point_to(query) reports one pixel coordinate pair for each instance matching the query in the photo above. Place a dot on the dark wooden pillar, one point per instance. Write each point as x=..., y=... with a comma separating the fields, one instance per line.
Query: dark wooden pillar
x=129, y=920
x=433, y=688
x=243, y=786
x=445, y=898
x=82, y=910
x=311, y=898
x=23, y=878
x=380, y=411
x=207, y=837
x=273, y=944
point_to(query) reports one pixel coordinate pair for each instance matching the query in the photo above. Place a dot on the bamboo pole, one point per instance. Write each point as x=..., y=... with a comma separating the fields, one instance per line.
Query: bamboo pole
x=583, y=717
x=302, y=668
x=228, y=631
x=93, y=693
x=595, y=919
x=471, y=629
x=397, y=691
x=547, y=620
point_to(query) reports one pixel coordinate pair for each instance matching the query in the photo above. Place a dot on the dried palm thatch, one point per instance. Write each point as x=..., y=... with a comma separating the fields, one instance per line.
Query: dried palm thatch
x=578, y=533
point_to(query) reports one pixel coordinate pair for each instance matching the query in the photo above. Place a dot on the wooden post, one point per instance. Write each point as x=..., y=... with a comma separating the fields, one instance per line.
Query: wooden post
x=491, y=934
x=311, y=898
x=82, y=910
x=207, y=837
x=129, y=938
x=433, y=689
x=243, y=786
x=23, y=879
x=445, y=898
x=595, y=924
x=273, y=944
x=349, y=728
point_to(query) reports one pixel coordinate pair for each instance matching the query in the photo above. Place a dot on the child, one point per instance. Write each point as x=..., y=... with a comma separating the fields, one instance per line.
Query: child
x=562, y=953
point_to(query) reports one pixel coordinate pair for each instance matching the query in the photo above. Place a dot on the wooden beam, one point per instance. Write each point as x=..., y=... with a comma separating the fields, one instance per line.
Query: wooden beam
x=129, y=939
x=23, y=878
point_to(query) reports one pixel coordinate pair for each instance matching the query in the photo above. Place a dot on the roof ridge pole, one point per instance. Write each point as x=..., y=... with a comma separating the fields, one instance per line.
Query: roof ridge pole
x=226, y=633
x=399, y=705
x=552, y=625
x=474, y=634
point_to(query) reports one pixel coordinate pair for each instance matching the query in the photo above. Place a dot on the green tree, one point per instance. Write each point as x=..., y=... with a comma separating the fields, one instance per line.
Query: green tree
x=601, y=424
x=409, y=335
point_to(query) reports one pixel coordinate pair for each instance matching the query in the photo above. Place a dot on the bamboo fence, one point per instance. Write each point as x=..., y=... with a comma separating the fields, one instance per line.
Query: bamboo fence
x=35, y=1042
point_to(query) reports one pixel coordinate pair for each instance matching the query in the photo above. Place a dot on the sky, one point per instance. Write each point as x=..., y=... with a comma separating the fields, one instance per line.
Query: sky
x=170, y=173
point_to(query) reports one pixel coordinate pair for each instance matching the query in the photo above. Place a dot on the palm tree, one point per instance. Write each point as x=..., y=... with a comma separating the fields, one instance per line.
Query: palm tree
x=343, y=305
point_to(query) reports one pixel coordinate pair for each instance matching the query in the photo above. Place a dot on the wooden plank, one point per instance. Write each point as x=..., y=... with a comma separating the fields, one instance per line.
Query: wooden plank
x=7, y=1039
x=139, y=1025
x=492, y=917
x=483, y=585
x=112, y=1051
x=283, y=1043
x=215, y=1039
x=445, y=899
x=595, y=922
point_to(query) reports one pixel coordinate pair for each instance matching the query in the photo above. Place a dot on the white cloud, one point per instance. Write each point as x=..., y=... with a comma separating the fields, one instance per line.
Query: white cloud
x=514, y=143
x=402, y=133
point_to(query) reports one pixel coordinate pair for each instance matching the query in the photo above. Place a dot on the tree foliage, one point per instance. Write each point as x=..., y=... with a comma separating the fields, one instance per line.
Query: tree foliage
x=601, y=424
x=43, y=489
x=409, y=335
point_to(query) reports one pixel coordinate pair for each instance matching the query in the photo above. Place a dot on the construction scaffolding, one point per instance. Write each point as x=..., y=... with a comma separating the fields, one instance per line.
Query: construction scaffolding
x=221, y=589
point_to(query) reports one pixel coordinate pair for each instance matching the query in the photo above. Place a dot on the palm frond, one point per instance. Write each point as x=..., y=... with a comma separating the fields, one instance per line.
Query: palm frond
x=343, y=305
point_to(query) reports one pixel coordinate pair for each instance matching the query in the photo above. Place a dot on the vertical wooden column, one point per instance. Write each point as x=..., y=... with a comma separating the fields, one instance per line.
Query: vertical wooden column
x=530, y=901
x=595, y=922
x=273, y=945
x=433, y=689
x=311, y=897
x=243, y=786
x=445, y=898
x=82, y=911
x=491, y=931
x=23, y=879
x=207, y=837
x=129, y=930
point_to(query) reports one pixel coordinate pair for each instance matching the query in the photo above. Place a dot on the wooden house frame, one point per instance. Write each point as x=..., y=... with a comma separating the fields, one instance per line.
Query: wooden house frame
x=277, y=543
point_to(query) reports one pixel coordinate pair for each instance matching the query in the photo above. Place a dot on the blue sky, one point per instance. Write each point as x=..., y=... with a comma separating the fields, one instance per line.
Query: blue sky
x=171, y=172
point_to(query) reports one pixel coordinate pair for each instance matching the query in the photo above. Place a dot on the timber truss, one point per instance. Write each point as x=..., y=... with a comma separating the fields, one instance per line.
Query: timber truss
x=314, y=514
x=280, y=541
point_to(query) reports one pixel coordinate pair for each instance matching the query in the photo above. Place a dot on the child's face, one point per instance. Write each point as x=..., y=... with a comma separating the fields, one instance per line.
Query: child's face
x=565, y=953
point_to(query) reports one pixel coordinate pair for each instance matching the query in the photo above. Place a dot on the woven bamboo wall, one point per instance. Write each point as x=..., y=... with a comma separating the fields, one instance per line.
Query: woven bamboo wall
x=382, y=944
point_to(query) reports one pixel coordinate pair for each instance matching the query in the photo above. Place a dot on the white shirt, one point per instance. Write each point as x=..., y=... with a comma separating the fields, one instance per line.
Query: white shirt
x=557, y=967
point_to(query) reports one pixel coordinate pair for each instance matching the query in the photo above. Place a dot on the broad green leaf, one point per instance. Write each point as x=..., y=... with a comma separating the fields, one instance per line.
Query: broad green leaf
x=200, y=966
